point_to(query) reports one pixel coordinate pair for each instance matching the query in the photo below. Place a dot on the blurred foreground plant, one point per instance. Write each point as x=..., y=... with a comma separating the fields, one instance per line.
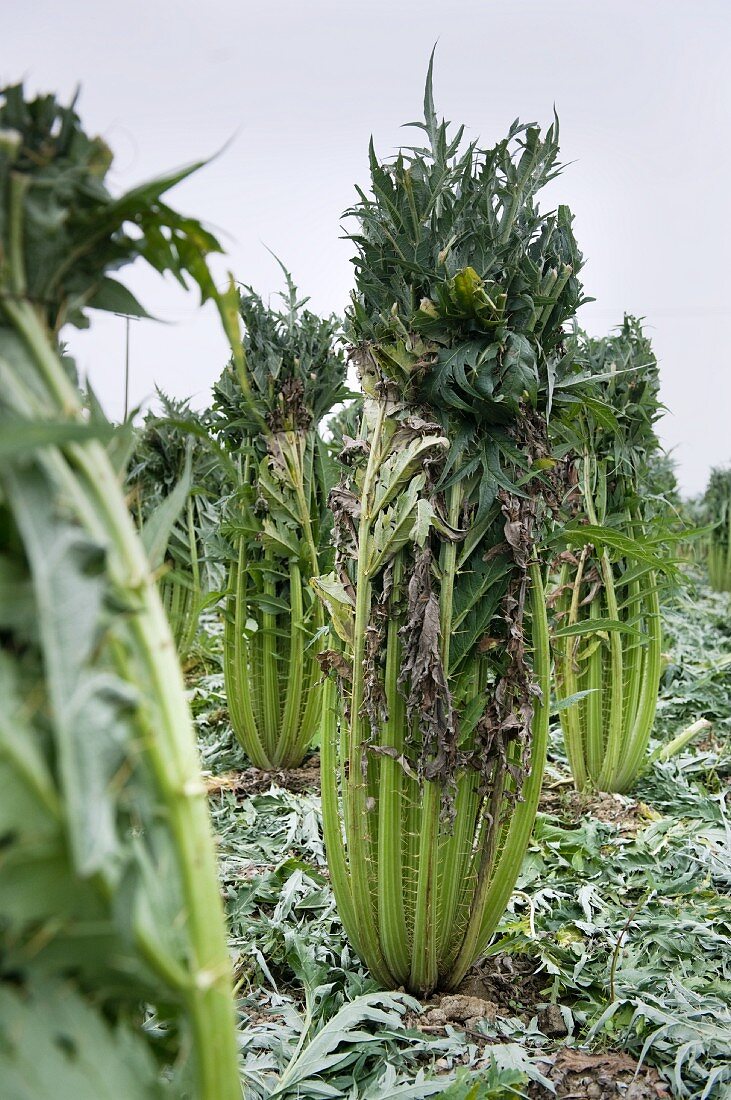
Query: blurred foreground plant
x=113, y=958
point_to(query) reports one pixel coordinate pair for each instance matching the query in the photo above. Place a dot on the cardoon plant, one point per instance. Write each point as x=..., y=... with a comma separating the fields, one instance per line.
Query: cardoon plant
x=717, y=514
x=438, y=678
x=267, y=415
x=110, y=906
x=609, y=638
x=176, y=481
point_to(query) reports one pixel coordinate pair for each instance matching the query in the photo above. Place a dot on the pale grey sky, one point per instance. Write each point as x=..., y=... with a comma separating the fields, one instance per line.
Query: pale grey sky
x=296, y=89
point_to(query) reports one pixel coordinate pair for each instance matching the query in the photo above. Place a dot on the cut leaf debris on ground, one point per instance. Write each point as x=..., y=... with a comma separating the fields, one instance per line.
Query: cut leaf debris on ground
x=610, y=975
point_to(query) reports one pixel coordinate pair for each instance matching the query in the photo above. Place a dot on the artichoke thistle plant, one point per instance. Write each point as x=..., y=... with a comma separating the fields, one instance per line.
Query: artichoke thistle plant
x=267, y=416
x=176, y=481
x=110, y=910
x=609, y=641
x=438, y=677
x=717, y=514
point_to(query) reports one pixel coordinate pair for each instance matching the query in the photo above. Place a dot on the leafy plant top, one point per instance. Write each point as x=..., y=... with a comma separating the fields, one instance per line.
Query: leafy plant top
x=74, y=230
x=294, y=374
x=461, y=280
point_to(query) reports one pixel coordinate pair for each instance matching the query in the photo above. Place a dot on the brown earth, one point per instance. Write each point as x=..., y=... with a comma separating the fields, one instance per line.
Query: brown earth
x=256, y=781
x=511, y=982
x=502, y=985
x=579, y=1075
x=569, y=805
x=560, y=800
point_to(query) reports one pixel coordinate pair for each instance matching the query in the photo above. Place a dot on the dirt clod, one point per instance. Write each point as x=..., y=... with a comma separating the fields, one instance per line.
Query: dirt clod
x=461, y=1008
x=578, y=1075
x=510, y=982
x=570, y=806
x=551, y=1022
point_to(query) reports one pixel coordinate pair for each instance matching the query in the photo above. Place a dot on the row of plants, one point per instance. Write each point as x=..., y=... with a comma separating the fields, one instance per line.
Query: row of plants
x=389, y=594
x=495, y=468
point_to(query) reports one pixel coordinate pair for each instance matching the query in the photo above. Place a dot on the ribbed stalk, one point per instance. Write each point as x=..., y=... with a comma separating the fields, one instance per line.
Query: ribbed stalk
x=593, y=707
x=719, y=558
x=171, y=749
x=635, y=661
x=455, y=858
x=236, y=665
x=270, y=670
x=424, y=961
x=332, y=823
x=392, y=814
x=424, y=955
x=495, y=889
x=567, y=680
x=357, y=812
x=272, y=675
x=615, y=725
x=639, y=733
x=193, y=594
x=295, y=668
x=429, y=945
x=607, y=745
x=455, y=850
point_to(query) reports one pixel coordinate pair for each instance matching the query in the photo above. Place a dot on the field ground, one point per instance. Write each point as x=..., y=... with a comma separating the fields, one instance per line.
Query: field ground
x=615, y=949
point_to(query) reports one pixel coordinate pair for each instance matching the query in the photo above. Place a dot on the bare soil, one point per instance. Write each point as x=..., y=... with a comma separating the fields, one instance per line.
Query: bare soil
x=502, y=985
x=628, y=815
x=578, y=1075
x=256, y=781
x=511, y=982
x=509, y=986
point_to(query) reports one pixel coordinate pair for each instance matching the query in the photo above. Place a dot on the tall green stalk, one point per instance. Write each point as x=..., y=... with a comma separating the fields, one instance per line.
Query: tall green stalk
x=267, y=415
x=716, y=507
x=108, y=847
x=435, y=729
x=608, y=639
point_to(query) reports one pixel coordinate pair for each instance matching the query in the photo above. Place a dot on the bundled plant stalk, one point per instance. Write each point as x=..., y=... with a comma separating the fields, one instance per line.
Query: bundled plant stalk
x=267, y=413
x=717, y=514
x=114, y=971
x=437, y=695
x=176, y=481
x=609, y=642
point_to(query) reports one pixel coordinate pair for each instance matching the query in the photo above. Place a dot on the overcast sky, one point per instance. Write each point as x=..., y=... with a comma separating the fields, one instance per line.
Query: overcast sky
x=291, y=93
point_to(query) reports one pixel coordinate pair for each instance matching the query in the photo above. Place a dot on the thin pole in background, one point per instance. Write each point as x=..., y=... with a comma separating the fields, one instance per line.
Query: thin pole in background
x=126, y=369
x=127, y=318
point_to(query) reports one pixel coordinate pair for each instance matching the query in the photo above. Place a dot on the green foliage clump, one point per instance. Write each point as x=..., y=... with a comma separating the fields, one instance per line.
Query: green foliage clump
x=609, y=638
x=266, y=413
x=176, y=482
